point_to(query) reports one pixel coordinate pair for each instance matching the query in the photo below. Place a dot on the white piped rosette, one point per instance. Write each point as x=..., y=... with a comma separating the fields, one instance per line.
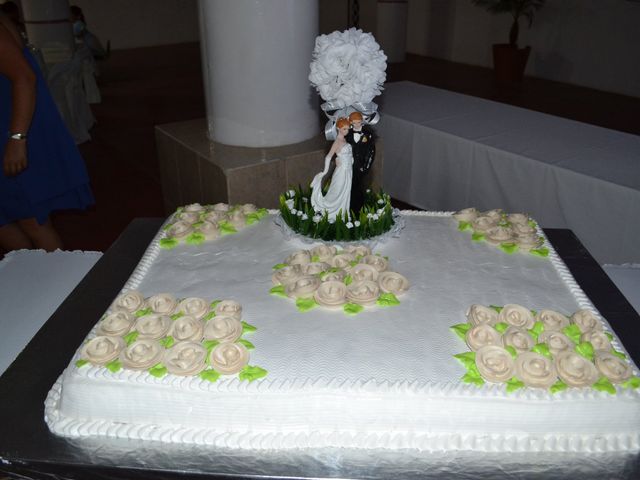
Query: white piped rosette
x=349, y=279
x=550, y=350
x=512, y=232
x=194, y=224
x=165, y=335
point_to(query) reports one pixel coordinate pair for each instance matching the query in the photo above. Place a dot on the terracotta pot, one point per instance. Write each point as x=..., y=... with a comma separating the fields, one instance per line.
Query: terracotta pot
x=509, y=62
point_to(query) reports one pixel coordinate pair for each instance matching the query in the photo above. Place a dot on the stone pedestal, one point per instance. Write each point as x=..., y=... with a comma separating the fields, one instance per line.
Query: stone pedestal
x=195, y=169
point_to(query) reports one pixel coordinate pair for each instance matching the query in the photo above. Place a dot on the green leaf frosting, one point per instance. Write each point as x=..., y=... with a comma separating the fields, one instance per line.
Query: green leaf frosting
x=114, y=366
x=176, y=316
x=226, y=228
x=509, y=247
x=315, y=258
x=542, y=349
x=462, y=226
x=573, y=332
x=278, y=266
x=474, y=378
x=619, y=354
x=214, y=304
x=81, y=363
x=247, y=327
x=387, y=300
x=477, y=237
x=278, y=290
x=461, y=330
x=559, y=386
x=131, y=337
x=143, y=312
x=352, y=308
x=158, y=370
x=633, y=382
x=209, y=375
x=246, y=343
x=540, y=252
x=196, y=238
x=306, y=304
x=512, y=351
x=514, y=384
x=585, y=349
x=537, y=329
x=210, y=345
x=468, y=359
x=609, y=336
x=167, y=342
x=604, y=385
x=501, y=327
x=252, y=218
x=209, y=316
x=251, y=373
x=496, y=308
x=348, y=280
x=168, y=243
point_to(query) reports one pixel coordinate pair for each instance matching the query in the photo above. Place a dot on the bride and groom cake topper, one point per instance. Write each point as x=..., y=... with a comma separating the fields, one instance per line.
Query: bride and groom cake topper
x=354, y=149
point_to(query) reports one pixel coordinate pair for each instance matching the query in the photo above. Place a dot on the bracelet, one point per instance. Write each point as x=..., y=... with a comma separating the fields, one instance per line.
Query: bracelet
x=18, y=136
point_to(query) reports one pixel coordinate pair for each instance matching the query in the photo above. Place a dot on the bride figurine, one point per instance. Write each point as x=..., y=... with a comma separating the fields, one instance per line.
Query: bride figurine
x=336, y=201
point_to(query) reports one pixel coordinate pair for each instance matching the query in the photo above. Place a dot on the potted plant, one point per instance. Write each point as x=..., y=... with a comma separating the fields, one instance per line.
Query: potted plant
x=509, y=61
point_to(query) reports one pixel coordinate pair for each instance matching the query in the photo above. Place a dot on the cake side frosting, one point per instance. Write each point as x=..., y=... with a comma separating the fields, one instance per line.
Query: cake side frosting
x=391, y=382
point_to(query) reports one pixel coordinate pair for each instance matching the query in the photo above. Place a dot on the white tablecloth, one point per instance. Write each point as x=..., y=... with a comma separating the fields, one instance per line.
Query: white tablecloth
x=33, y=283
x=447, y=151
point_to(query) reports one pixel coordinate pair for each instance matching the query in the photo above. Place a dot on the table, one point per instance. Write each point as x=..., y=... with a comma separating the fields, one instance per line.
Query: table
x=447, y=151
x=27, y=448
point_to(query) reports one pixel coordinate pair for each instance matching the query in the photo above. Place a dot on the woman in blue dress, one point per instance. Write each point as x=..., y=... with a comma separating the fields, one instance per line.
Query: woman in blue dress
x=42, y=169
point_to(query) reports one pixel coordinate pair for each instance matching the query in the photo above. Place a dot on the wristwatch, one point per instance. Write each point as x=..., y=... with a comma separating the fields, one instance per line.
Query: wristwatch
x=17, y=136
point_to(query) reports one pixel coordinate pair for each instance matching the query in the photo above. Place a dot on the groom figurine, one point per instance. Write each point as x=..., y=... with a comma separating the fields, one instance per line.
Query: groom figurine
x=362, y=140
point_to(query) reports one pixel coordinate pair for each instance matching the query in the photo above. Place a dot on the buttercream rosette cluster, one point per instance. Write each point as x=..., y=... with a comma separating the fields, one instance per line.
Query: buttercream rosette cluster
x=332, y=278
x=194, y=224
x=509, y=231
x=545, y=349
x=164, y=334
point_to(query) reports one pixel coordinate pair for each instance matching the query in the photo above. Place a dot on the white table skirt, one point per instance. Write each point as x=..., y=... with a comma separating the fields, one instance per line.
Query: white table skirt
x=33, y=284
x=447, y=151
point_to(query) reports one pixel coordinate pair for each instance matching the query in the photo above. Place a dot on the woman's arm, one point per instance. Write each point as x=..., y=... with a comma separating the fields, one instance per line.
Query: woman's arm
x=23, y=98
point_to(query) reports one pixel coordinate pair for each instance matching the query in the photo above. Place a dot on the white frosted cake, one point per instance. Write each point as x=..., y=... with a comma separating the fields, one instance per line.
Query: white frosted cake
x=384, y=378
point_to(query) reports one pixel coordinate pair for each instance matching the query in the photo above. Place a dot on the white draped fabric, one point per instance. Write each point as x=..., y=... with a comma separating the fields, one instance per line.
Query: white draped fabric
x=447, y=151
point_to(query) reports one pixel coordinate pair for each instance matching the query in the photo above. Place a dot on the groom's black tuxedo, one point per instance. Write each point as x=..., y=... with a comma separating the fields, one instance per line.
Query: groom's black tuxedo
x=364, y=152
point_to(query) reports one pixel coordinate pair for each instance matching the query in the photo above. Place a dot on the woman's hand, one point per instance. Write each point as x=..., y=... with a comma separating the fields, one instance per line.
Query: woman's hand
x=15, y=157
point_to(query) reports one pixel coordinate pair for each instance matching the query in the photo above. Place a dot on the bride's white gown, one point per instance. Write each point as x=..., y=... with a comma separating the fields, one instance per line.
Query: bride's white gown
x=338, y=196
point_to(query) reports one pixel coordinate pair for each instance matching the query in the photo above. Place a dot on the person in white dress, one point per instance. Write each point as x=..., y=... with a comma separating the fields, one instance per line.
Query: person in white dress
x=338, y=196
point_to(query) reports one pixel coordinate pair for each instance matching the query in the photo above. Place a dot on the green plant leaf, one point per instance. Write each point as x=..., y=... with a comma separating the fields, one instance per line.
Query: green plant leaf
x=542, y=349
x=573, y=332
x=176, y=316
x=168, y=243
x=496, y=308
x=462, y=226
x=251, y=373
x=167, y=342
x=514, y=384
x=158, y=370
x=352, y=308
x=82, y=362
x=618, y=354
x=306, y=304
x=246, y=343
x=509, y=247
x=559, y=386
x=468, y=359
x=477, y=237
x=633, y=382
x=114, y=366
x=461, y=330
x=604, y=385
x=143, y=312
x=278, y=290
x=586, y=350
x=209, y=375
x=501, y=327
x=512, y=351
x=246, y=327
x=540, y=252
x=196, y=238
x=348, y=280
x=278, y=266
x=131, y=337
x=387, y=300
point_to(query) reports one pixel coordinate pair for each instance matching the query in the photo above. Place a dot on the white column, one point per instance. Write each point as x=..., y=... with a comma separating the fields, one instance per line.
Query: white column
x=256, y=70
x=48, y=28
x=391, y=32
